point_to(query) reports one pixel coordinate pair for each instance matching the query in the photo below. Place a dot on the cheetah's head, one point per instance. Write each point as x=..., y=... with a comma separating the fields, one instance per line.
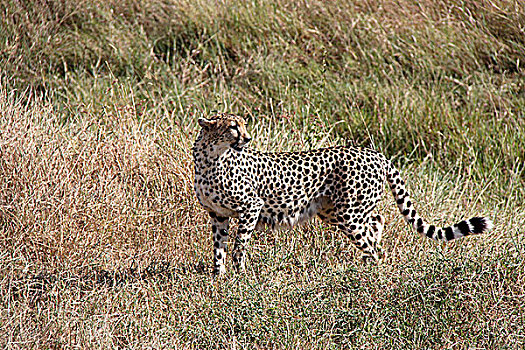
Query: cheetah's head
x=225, y=130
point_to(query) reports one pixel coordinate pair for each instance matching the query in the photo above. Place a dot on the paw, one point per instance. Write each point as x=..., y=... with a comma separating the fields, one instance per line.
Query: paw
x=370, y=259
x=219, y=270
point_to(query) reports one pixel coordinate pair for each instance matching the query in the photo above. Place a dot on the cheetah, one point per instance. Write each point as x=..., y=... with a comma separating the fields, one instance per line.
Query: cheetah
x=340, y=185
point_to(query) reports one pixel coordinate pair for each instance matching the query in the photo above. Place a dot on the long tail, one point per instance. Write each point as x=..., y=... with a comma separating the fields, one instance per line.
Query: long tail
x=474, y=225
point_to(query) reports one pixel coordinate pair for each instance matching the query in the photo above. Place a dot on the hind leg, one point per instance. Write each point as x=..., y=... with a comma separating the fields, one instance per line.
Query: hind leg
x=376, y=224
x=354, y=219
x=363, y=238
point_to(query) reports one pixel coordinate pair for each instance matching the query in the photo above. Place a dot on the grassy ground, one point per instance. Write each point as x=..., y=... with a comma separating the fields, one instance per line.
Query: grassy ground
x=102, y=242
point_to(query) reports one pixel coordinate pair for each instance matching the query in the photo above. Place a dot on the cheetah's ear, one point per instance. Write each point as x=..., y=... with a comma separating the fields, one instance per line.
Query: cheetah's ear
x=206, y=123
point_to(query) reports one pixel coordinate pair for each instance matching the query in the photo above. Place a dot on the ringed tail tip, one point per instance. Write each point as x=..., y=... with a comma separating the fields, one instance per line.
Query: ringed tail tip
x=480, y=225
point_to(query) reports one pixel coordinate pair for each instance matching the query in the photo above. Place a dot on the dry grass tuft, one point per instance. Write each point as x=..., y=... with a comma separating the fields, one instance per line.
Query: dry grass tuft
x=102, y=242
x=103, y=245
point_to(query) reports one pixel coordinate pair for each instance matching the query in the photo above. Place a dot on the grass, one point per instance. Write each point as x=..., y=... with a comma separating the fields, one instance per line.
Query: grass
x=103, y=244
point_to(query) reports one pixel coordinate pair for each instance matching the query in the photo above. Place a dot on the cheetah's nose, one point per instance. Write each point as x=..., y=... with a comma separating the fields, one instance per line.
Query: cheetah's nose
x=247, y=139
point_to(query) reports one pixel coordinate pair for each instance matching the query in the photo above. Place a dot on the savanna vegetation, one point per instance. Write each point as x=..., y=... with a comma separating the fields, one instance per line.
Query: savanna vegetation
x=102, y=241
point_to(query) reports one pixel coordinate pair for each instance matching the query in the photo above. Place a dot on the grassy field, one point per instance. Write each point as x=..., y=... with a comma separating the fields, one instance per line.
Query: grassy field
x=103, y=244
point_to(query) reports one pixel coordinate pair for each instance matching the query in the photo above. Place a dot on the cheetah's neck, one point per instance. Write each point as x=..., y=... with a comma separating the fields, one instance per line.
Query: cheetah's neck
x=206, y=154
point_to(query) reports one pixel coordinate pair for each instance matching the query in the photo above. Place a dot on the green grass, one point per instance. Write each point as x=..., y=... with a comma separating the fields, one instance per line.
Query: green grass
x=102, y=241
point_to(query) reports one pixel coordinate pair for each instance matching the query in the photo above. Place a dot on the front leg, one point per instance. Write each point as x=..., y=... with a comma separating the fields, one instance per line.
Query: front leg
x=219, y=229
x=247, y=222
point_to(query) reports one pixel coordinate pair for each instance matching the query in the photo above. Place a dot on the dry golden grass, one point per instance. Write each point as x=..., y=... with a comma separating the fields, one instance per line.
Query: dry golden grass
x=103, y=245
x=102, y=242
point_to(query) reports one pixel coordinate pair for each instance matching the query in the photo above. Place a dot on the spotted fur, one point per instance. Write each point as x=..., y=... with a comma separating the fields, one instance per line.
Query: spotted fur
x=340, y=185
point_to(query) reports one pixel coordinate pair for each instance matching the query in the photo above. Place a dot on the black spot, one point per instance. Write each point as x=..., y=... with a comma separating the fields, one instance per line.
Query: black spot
x=431, y=230
x=413, y=213
x=280, y=216
x=463, y=228
x=406, y=212
x=449, y=233
x=400, y=200
x=358, y=236
x=409, y=204
x=353, y=228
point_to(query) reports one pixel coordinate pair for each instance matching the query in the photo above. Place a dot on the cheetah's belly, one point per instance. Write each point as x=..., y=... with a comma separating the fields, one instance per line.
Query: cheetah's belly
x=276, y=216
